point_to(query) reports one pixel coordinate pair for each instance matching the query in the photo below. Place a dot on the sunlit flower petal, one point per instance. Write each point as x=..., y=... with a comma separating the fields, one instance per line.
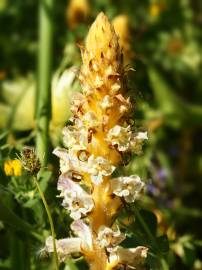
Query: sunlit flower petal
x=109, y=238
x=129, y=187
x=68, y=161
x=126, y=140
x=119, y=136
x=76, y=139
x=99, y=167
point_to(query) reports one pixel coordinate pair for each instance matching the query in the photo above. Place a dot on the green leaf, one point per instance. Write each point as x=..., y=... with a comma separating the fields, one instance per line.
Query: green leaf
x=153, y=261
x=150, y=219
x=189, y=256
x=5, y=264
x=10, y=218
x=70, y=265
x=175, y=110
x=163, y=243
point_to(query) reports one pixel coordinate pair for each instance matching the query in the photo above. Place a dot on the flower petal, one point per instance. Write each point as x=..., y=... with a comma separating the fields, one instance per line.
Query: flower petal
x=68, y=161
x=76, y=199
x=132, y=257
x=137, y=141
x=129, y=187
x=83, y=231
x=109, y=238
x=119, y=136
x=98, y=167
x=64, y=247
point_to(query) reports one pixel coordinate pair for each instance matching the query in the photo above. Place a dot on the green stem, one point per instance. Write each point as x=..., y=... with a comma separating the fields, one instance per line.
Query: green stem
x=43, y=100
x=50, y=221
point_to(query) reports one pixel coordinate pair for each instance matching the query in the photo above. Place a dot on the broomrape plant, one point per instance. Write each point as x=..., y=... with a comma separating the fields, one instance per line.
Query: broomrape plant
x=99, y=139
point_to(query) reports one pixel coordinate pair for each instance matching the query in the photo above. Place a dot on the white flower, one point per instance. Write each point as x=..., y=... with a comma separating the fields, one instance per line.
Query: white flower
x=75, y=139
x=126, y=140
x=68, y=246
x=132, y=257
x=64, y=247
x=137, y=141
x=97, y=168
x=64, y=167
x=106, y=103
x=76, y=200
x=78, y=123
x=68, y=161
x=89, y=119
x=109, y=238
x=142, y=136
x=84, y=233
x=128, y=187
x=119, y=136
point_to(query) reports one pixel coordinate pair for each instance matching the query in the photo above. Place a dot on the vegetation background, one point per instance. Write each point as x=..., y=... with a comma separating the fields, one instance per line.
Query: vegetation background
x=39, y=52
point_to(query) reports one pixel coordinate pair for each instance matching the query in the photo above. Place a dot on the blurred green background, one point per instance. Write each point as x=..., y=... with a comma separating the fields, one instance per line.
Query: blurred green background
x=161, y=41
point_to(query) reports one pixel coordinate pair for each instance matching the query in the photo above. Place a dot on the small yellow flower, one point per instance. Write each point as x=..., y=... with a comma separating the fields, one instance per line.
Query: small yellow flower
x=13, y=167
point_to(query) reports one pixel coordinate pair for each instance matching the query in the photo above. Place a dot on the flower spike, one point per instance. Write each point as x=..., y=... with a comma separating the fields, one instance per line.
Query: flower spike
x=100, y=137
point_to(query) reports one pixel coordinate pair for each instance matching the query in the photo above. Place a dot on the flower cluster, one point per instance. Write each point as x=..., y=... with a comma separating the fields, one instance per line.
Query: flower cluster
x=96, y=142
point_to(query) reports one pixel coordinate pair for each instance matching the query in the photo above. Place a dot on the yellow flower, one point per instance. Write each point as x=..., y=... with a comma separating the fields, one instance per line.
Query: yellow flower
x=157, y=7
x=154, y=9
x=13, y=167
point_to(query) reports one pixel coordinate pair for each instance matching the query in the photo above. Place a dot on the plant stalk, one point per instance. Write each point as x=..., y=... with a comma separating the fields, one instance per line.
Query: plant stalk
x=43, y=100
x=50, y=221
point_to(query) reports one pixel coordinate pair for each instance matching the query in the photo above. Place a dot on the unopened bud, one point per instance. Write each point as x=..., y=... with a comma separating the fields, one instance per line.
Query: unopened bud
x=30, y=161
